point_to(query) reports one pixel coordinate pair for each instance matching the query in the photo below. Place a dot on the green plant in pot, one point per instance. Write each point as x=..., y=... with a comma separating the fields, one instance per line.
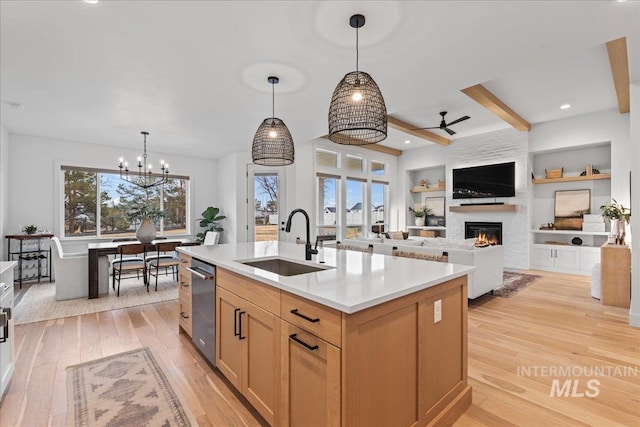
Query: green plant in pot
x=30, y=229
x=209, y=221
x=420, y=214
x=618, y=215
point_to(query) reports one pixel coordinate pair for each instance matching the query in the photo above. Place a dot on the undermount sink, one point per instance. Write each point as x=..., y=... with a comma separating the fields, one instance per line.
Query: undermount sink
x=283, y=267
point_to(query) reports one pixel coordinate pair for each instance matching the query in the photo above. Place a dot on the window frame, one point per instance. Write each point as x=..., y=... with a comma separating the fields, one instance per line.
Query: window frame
x=343, y=175
x=59, y=205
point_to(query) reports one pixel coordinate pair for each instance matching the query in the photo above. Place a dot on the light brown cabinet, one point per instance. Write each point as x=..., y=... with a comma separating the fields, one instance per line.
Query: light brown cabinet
x=616, y=275
x=184, y=295
x=391, y=364
x=248, y=348
x=310, y=379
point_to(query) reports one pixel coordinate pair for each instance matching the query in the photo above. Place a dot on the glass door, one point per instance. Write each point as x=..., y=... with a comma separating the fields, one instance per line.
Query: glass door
x=265, y=198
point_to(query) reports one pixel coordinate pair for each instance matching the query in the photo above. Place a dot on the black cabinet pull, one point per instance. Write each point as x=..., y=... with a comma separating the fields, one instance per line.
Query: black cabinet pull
x=302, y=343
x=240, y=325
x=235, y=322
x=183, y=314
x=184, y=285
x=309, y=319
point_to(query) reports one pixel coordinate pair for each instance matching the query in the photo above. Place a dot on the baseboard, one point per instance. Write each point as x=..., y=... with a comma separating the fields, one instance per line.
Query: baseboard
x=634, y=319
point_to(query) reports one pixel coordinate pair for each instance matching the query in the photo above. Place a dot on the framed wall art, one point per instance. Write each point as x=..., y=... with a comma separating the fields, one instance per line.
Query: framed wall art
x=570, y=206
x=436, y=204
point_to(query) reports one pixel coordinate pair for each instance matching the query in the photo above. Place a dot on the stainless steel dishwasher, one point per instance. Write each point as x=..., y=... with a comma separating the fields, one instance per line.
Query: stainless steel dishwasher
x=203, y=303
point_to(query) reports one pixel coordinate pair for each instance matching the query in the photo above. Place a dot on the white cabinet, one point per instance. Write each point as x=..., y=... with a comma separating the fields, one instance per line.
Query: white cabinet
x=564, y=259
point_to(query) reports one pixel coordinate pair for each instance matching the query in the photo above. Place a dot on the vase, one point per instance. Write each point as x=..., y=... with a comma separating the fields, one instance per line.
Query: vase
x=420, y=221
x=146, y=232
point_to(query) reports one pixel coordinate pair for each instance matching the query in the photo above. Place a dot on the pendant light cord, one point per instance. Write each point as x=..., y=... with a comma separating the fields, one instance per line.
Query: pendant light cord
x=357, y=51
x=273, y=100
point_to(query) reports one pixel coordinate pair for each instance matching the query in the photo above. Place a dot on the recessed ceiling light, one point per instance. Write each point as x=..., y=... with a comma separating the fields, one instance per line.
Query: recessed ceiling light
x=565, y=106
x=91, y=1
x=407, y=142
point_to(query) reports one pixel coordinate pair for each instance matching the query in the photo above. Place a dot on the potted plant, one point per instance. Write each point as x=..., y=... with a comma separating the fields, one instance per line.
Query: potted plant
x=209, y=221
x=618, y=215
x=30, y=229
x=420, y=214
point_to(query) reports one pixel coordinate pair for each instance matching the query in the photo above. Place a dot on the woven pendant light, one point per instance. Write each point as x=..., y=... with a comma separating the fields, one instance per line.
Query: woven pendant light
x=272, y=143
x=357, y=114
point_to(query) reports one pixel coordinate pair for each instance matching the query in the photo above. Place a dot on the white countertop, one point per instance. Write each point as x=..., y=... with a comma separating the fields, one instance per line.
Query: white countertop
x=357, y=281
x=6, y=265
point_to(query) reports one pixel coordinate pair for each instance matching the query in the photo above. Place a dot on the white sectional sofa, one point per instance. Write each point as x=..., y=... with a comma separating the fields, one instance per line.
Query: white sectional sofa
x=488, y=261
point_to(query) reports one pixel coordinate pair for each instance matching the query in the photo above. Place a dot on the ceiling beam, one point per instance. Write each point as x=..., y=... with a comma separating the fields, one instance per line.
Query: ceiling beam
x=482, y=96
x=619, y=61
x=410, y=128
x=374, y=147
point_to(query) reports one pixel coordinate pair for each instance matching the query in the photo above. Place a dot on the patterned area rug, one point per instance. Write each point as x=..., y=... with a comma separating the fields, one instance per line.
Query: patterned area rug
x=39, y=302
x=126, y=389
x=514, y=283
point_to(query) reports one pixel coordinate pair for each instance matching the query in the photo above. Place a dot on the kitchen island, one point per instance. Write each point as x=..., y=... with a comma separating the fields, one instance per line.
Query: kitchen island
x=365, y=340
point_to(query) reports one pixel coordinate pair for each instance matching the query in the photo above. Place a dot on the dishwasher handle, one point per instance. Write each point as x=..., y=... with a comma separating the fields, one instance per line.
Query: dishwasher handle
x=208, y=275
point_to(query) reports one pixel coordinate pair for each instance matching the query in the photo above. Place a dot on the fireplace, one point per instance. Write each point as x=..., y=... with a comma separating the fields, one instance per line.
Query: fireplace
x=485, y=233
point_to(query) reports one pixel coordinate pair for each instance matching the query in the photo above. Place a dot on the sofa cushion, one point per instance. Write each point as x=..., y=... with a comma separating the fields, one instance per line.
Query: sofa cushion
x=368, y=239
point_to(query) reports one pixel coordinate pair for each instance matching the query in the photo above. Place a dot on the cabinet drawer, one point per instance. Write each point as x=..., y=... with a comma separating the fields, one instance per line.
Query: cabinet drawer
x=184, y=316
x=184, y=259
x=264, y=296
x=184, y=276
x=324, y=322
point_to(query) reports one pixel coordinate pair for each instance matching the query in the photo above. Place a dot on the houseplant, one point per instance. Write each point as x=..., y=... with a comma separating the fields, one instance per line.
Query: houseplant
x=209, y=221
x=618, y=215
x=30, y=229
x=420, y=214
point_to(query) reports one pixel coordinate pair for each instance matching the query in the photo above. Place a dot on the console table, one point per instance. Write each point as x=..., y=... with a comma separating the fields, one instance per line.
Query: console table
x=615, y=261
x=36, y=253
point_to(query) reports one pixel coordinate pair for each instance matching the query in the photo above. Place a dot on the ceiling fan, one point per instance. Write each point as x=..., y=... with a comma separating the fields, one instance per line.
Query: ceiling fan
x=445, y=126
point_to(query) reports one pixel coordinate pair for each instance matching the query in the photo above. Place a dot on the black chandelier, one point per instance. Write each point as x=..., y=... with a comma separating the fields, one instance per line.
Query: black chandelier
x=357, y=114
x=272, y=143
x=144, y=178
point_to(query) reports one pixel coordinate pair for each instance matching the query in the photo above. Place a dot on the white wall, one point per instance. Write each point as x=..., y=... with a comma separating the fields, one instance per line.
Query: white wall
x=232, y=185
x=588, y=129
x=634, y=311
x=4, y=187
x=34, y=194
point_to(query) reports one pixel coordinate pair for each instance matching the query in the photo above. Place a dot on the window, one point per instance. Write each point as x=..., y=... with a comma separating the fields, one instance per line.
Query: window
x=97, y=203
x=377, y=168
x=327, y=204
x=327, y=158
x=354, y=163
x=350, y=197
x=378, y=203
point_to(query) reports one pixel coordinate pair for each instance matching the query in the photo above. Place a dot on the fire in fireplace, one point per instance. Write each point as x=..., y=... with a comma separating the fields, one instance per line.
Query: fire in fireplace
x=485, y=233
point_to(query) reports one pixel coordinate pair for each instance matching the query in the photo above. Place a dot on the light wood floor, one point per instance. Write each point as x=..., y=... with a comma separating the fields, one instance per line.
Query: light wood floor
x=553, y=323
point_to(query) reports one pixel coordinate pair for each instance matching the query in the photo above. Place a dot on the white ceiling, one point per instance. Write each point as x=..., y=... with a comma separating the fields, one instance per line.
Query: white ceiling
x=194, y=73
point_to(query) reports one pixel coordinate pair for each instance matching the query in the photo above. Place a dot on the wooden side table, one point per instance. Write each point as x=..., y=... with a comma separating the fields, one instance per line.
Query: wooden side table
x=615, y=262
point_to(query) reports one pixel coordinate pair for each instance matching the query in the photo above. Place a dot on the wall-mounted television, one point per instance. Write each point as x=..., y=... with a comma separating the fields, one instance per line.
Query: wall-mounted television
x=496, y=180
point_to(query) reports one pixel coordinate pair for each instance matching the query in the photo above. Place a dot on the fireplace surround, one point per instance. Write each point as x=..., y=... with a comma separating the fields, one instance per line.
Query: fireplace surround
x=485, y=233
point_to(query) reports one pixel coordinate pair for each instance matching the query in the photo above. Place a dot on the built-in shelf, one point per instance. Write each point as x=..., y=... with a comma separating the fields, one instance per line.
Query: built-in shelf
x=572, y=232
x=572, y=178
x=426, y=189
x=484, y=208
x=426, y=227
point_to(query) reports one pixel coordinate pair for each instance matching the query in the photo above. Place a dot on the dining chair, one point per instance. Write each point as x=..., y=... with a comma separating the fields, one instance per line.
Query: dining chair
x=164, y=256
x=122, y=263
x=211, y=238
x=71, y=272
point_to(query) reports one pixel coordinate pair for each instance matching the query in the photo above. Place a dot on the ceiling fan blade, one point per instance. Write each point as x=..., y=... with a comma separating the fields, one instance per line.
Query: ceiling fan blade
x=449, y=131
x=459, y=120
x=434, y=127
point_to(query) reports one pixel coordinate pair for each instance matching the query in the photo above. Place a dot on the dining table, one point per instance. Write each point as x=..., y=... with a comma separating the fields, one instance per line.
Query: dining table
x=103, y=249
